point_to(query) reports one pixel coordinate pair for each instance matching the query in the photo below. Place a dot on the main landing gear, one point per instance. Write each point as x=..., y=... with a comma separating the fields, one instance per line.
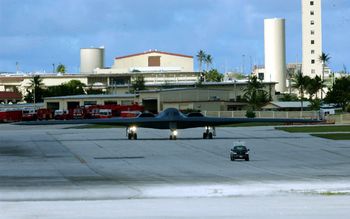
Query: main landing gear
x=209, y=132
x=131, y=132
x=173, y=135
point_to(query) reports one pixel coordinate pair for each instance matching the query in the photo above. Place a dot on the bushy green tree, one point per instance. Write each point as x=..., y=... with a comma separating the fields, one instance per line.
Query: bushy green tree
x=288, y=97
x=94, y=91
x=138, y=84
x=61, y=68
x=314, y=85
x=213, y=76
x=36, y=92
x=299, y=81
x=340, y=92
x=255, y=94
x=73, y=87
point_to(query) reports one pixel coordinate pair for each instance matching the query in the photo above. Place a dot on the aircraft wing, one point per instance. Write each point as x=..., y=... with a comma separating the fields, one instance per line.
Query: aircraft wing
x=212, y=121
x=159, y=123
x=112, y=121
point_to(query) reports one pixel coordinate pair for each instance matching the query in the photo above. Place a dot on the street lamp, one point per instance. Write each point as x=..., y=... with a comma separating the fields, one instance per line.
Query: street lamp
x=243, y=64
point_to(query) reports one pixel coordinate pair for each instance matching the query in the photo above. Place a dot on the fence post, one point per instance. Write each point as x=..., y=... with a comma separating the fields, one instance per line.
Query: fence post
x=341, y=118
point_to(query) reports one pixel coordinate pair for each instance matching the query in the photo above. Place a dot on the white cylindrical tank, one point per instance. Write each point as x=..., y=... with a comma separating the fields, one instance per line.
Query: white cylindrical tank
x=275, y=52
x=90, y=59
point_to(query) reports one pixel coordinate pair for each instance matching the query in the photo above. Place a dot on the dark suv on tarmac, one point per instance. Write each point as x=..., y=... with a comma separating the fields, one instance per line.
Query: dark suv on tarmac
x=239, y=152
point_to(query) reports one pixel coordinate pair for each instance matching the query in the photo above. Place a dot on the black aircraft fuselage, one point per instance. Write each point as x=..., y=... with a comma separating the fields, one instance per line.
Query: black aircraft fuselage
x=172, y=119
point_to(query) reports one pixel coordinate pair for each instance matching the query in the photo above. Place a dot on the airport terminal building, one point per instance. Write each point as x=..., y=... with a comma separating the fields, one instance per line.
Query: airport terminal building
x=170, y=81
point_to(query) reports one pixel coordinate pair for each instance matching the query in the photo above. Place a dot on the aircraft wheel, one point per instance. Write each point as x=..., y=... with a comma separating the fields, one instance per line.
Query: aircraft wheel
x=210, y=136
x=205, y=135
x=129, y=136
x=135, y=136
x=171, y=137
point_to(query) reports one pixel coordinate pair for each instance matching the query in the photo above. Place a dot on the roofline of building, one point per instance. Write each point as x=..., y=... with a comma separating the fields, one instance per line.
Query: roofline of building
x=153, y=51
x=93, y=96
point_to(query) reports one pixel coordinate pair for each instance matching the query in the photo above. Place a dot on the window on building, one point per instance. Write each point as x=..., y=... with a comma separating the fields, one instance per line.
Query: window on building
x=312, y=51
x=313, y=71
x=312, y=41
x=154, y=61
x=90, y=103
x=311, y=2
x=312, y=32
x=312, y=61
x=261, y=76
x=312, y=22
x=312, y=12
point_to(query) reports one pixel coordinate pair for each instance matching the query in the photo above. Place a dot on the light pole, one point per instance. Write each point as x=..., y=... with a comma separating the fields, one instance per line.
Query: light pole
x=243, y=64
x=235, y=90
x=34, y=99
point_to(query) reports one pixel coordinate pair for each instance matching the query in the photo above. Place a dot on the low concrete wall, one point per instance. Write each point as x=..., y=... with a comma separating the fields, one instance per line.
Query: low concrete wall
x=265, y=114
x=338, y=119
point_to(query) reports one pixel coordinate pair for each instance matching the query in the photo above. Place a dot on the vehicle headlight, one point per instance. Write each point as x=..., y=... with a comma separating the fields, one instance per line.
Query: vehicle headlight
x=133, y=128
x=247, y=152
x=175, y=132
x=234, y=152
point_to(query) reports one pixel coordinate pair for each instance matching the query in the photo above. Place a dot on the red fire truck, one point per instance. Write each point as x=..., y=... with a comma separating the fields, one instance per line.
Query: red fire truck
x=11, y=115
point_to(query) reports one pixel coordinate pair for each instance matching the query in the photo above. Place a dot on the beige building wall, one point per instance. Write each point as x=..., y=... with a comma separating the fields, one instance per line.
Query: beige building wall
x=63, y=103
x=312, y=37
x=168, y=62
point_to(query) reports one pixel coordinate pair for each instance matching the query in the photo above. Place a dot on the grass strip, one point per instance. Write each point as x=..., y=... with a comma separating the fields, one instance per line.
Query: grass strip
x=310, y=129
x=334, y=136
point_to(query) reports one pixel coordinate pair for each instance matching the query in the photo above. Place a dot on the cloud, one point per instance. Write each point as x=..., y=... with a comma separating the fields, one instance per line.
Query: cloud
x=38, y=33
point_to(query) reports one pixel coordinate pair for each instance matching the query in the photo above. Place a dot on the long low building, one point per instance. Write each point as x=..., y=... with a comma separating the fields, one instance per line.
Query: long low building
x=69, y=102
x=207, y=97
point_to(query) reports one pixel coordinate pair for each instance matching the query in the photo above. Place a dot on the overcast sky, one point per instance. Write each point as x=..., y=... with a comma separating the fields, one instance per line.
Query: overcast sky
x=38, y=33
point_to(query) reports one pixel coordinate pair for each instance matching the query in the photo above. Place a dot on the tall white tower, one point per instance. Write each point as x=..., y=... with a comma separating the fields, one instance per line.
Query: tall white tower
x=312, y=37
x=275, y=52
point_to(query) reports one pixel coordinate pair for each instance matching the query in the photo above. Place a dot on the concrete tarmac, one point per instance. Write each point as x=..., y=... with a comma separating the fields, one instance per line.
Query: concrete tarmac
x=49, y=163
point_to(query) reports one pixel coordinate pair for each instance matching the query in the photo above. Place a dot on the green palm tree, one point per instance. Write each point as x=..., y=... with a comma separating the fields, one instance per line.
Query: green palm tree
x=208, y=60
x=324, y=59
x=319, y=84
x=36, y=84
x=312, y=88
x=300, y=82
x=61, y=68
x=255, y=94
x=201, y=56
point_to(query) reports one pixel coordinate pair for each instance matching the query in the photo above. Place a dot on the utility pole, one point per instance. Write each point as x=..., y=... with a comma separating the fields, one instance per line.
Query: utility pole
x=53, y=68
x=243, y=64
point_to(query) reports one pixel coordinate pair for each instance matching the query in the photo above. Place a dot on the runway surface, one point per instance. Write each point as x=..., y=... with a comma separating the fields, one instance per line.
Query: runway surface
x=77, y=168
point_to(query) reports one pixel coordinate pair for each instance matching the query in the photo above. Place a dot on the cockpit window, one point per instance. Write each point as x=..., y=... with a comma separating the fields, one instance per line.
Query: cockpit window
x=172, y=112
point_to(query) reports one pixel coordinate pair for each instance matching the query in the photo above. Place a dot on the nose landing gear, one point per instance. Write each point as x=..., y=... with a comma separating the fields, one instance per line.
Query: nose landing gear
x=209, y=132
x=173, y=135
x=131, y=132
